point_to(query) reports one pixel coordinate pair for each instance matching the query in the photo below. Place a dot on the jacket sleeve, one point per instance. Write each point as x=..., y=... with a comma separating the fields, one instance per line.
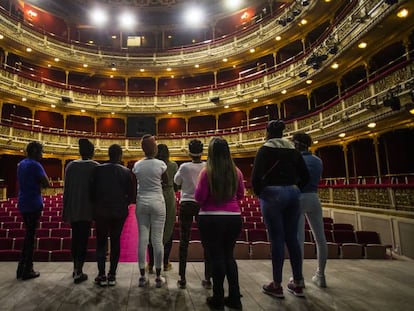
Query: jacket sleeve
x=257, y=172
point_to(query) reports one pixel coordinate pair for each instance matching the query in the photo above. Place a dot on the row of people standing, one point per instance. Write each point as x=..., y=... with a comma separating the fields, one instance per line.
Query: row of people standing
x=210, y=193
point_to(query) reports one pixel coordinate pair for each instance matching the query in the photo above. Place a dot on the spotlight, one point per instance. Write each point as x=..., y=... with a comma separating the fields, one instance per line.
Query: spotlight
x=333, y=50
x=282, y=21
x=316, y=65
x=311, y=60
x=303, y=74
x=289, y=18
x=391, y=2
x=305, y=2
x=296, y=12
x=392, y=102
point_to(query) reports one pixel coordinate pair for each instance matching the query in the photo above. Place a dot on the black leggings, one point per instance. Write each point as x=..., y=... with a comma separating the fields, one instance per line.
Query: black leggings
x=80, y=235
x=111, y=227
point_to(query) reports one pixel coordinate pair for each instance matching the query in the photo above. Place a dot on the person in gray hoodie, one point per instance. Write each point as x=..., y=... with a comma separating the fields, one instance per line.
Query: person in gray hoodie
x=77, y=205
x=279, y=172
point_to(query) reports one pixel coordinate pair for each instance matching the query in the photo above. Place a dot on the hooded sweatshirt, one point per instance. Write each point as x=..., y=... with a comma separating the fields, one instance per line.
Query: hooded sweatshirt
x=278, y=163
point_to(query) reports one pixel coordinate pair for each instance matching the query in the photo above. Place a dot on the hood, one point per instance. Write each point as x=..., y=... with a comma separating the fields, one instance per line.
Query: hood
x=279, y=143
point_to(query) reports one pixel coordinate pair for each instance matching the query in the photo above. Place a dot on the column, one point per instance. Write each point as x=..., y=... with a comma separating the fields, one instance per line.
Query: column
x=66, y=78
x=95, y=123
x=217, y=121
x=247, y=118
x=376, y=143
x=156, y=86
x=186, y=125
x=62, y=174
x=345, y=150
x=308, y=95
x=64, y=122
x=126, y=85
x=215, y=79
x=303, y=44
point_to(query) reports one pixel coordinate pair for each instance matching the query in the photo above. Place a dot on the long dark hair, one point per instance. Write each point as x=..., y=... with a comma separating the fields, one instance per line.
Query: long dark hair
x=163, y=153
x=221, y=171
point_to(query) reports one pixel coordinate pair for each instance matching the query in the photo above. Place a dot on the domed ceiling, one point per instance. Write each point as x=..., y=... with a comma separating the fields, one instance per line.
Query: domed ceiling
x=152, y=13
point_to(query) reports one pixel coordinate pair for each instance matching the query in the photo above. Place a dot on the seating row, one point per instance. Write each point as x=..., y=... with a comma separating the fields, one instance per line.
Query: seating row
x=43, y=232
x=46, y=249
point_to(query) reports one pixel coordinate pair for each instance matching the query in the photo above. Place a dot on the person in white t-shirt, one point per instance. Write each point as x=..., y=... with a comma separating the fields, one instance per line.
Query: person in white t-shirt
x=150, y=210
x=186, y=177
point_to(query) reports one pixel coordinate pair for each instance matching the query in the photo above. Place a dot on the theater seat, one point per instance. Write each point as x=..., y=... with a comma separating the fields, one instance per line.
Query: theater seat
x=373, y=247
x=350, y=249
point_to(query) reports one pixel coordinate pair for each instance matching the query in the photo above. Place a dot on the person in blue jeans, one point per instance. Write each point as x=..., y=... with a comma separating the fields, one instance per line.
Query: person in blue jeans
x=279, y=172
x=310, y=206
x=31, y=177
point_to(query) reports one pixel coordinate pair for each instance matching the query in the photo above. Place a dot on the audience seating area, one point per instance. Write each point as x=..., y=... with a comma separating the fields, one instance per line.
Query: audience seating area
x=53, y=238
x=253, y=243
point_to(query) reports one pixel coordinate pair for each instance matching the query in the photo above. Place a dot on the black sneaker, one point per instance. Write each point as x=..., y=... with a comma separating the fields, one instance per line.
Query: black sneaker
x=80, y=277
x=111, y=280
x=214, y=304
x=182, y=284
x=19, y=271
x=30, y=275
x=233, y=303
x=207, y=284
x=101, y=280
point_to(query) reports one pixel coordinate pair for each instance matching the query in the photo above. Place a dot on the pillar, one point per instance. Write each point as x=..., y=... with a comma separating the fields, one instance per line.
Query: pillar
x=377, y=159
x=345, y=150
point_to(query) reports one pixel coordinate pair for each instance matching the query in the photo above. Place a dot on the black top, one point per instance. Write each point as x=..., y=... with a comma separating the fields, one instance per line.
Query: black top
x=277, y=163
x=112, y=190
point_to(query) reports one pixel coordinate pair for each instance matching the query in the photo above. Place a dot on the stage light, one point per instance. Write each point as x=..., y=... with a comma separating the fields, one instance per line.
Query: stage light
x=305, y=2
x=303, y=74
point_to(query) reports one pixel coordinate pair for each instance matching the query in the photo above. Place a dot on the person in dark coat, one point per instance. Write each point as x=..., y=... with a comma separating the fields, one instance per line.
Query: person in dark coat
x=279, y=172
x=112, y=190
x=77, y=205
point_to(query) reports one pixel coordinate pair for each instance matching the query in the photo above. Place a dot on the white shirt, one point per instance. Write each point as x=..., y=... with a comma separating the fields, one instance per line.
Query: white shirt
x=148, y=173
x=187, y=176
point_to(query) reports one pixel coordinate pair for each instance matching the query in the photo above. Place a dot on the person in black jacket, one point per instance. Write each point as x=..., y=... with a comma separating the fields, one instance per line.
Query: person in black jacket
x=112, y=191
x=279, y=172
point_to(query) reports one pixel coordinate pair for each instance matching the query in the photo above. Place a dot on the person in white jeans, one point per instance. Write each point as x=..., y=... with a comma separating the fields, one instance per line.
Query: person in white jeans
x=310, y=206
x=150, y=210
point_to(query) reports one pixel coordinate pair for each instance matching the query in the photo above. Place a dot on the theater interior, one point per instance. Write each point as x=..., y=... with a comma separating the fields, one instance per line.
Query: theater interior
x=113, y=70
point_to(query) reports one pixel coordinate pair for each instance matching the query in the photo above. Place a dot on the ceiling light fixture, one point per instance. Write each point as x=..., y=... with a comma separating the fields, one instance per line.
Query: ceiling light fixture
x=28, y=50
x=278, y=38
x=371, y=125
x=335, y=66
x=402, y=13
x=99, y=17
x=362, y=45
x=284, y=92
x=342, y=135
x=309, y=81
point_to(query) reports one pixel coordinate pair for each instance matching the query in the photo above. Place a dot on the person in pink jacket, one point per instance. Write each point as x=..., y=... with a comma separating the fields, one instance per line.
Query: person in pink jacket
x=219, y=188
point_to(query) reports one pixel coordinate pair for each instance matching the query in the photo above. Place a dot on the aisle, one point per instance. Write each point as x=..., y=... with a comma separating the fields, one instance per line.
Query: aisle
x=129, y=238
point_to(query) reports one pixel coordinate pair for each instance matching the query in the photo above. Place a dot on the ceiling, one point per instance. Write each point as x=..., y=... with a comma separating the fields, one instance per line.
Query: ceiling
x=151, y=13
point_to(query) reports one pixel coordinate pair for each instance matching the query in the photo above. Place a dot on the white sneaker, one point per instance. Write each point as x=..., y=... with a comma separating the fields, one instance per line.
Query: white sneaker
x=300, y=284
x=159, y=282
x=319, y=280
x=142, y=282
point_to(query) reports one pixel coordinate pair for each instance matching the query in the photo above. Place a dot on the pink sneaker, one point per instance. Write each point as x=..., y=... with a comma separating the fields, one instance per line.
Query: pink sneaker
x=295, y=289
x=273, y=291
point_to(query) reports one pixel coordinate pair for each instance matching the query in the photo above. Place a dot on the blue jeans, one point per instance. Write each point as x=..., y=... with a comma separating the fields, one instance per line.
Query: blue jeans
x=311, y=207
x=281, y=212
